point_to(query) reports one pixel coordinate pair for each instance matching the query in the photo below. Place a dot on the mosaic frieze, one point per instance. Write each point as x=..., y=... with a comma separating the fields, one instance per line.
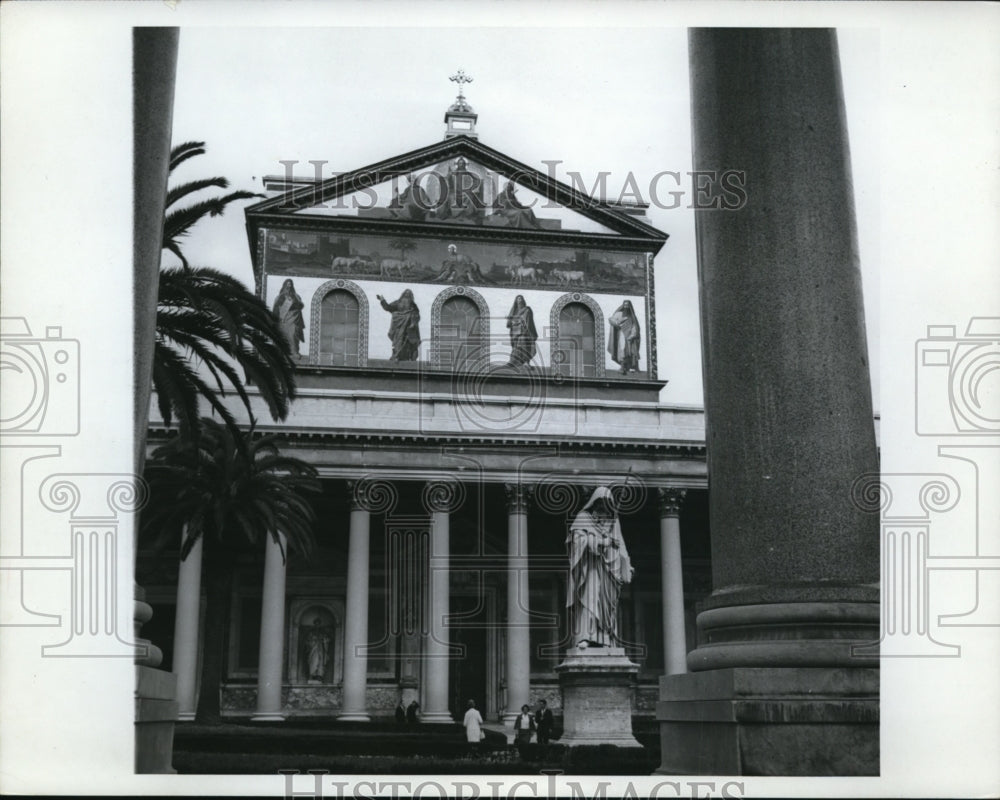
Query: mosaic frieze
x=417, y=260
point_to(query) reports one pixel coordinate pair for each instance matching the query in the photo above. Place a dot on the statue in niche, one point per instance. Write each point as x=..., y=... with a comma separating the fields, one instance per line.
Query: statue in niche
x=463, y=198
x=412, y=203
x=623, y=338
x=288, y=309
x=521, y=322
x=316, y=641
x=404, y=330
x=508, y=207
x=599, y=567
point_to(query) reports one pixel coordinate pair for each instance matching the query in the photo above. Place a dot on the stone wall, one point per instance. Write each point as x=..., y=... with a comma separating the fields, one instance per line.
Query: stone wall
x=309, y=700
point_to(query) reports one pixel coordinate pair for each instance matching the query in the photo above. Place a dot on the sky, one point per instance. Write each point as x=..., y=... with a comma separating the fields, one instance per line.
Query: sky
x=592, y=100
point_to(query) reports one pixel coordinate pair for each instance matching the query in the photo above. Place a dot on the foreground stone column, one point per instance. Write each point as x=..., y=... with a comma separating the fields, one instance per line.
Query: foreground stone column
x=272, y=634
x=518, y=667
x=439, y=498
x=186, y=629
x=774, y=687
x=672, y=582
x=154, y=67
x=356, y=621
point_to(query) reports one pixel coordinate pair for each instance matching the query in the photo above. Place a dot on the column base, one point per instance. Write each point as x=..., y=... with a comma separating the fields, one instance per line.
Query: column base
x=436, y=717
x=268, y=717
x=155, y=713
x=792, y=721
x=185, y=716
x=596, y=685
x=349, y=716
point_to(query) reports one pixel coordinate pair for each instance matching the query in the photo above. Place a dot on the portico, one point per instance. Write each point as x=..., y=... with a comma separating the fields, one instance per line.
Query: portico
x=452, y=582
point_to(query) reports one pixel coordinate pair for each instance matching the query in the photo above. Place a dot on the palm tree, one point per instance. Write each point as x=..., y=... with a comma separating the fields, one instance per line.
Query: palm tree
x=206, y=318
x=231, y=491
x=179, y=221
x=403, y=246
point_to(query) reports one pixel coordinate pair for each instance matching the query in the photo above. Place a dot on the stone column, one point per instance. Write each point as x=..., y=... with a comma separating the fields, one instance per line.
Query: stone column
x=356, y=623
x=518, y=615
x=440, y=499
x=154, y=61
x=272, y=634
x=672, y=583
x=795, y=565
x=186, y=631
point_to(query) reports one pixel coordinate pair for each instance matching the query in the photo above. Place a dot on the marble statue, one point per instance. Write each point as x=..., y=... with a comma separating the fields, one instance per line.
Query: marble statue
x=623, y=338
x=599, y=568
x=317, y=641
x=521, y=322
x=404, y=330
x=288, y=309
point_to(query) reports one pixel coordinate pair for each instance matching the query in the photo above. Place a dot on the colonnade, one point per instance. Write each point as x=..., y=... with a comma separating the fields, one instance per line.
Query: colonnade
x=440, y=500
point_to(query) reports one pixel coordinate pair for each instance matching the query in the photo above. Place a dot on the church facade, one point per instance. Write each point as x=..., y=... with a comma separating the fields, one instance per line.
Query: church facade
x=476, y=353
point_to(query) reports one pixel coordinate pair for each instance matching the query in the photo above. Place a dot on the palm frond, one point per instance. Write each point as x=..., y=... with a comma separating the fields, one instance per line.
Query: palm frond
x=182, y=152
x=185, y=189
x=180, y=221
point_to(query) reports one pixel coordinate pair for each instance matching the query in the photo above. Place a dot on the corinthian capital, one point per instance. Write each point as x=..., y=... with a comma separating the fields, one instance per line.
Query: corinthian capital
x=671, y=500
x=518, y=496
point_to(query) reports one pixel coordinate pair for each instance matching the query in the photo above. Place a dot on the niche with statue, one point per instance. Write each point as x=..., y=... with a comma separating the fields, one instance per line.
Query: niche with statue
x=316, y=642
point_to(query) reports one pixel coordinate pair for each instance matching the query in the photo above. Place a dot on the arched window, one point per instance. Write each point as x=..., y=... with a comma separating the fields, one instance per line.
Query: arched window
x=339, y=329
x=460, y=331
x=577, y=341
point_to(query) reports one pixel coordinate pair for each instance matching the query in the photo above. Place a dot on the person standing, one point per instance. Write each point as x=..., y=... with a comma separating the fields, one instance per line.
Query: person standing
x=544, y=723
x=412, y=713
x=524, y=726
x=473, y=723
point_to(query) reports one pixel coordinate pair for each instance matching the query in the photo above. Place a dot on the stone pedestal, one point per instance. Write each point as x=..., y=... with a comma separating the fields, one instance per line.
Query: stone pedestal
x=155, y=712
x=770, y=721
x=596, y=688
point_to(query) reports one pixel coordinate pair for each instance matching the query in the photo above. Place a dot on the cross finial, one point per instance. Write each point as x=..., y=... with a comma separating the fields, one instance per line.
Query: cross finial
x=461, y=78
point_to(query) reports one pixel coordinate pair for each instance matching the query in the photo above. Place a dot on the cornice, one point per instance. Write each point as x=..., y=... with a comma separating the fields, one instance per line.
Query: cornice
x=396, y=438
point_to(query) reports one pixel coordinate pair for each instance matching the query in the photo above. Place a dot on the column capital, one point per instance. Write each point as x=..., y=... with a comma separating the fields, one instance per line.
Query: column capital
x=671, y=499
x=374, y=495
x=518, y=496
x=442, y=495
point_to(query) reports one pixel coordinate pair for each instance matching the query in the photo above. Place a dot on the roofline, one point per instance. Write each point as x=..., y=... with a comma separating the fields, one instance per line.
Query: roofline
x=528, y=176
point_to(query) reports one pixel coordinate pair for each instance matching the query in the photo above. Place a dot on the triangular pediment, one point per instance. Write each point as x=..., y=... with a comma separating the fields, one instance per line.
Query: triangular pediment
x=459, y=182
